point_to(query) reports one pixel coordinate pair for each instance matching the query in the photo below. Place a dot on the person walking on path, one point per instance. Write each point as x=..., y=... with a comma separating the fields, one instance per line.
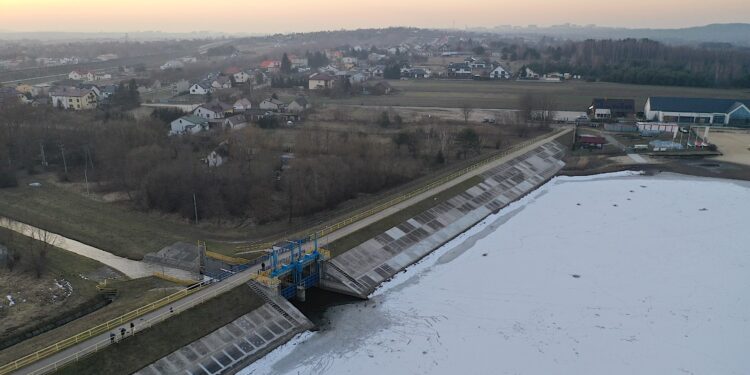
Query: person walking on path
x=132, y=328
x=123, y=331
x=112, y=337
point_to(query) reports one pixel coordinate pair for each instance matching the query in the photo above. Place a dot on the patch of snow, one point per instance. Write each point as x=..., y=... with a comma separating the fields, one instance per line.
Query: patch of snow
x=619, y=275
x=11, y=302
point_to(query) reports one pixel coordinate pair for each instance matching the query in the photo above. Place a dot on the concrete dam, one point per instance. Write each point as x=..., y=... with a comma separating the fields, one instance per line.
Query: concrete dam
x=360, y=270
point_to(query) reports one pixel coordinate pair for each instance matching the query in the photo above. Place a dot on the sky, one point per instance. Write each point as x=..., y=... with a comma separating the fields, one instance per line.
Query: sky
x=272, y=16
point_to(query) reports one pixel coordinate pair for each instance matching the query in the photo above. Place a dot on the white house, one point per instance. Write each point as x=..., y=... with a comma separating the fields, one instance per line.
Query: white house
x=706, y=111
x=213, y=111
x=241, y=77
x=200, y=88
x=188, y=125
x=499, y=73
x=81, y=75
x=272, y=104
x=172, y=64
x=320, y=81
x=242, y=105
x=222, y=82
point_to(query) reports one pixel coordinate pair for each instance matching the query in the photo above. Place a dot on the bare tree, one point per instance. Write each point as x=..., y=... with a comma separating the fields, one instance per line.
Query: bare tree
x=41, y=242
x=466, y=109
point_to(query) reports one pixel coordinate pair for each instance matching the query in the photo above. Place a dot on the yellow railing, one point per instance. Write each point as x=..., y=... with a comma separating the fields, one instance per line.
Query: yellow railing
x=225, y=258
x=114, y=323
x=97, y=330
x=173, y=279
x=403, y=197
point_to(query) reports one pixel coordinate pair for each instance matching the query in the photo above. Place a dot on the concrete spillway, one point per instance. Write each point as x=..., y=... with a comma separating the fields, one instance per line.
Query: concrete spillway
x=362, y=269
x=230, y=348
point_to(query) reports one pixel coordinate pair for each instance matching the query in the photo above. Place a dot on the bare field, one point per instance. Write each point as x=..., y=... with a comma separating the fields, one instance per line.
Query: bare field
x=735, y=145
x=505, y=94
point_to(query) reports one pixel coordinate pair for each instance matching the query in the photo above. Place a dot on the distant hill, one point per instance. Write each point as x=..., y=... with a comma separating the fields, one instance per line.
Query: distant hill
x=734, y=33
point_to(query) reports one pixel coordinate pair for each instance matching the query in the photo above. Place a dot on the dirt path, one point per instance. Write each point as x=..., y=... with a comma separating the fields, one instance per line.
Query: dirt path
x=130, y=268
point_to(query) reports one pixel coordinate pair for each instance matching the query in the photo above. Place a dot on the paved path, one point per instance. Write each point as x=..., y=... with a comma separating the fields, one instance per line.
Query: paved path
x=131, y=268
x=638, y=159
x=242, y=277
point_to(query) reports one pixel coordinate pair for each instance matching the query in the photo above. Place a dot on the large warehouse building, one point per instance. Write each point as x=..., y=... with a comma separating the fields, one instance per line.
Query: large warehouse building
x=721, y=112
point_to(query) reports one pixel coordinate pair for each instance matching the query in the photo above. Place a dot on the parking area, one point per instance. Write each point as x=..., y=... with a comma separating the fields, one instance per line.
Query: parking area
x=734, y=145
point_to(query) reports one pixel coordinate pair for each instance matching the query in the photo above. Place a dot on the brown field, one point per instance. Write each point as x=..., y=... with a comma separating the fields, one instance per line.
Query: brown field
x=735, y=145
x=569, y=95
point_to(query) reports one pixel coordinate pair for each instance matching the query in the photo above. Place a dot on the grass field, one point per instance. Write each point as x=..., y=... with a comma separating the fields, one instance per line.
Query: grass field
x=129, y=355
x=505, y=94
x=355, y=238
x=113, y=227
x=132, y=294
x=59, y=290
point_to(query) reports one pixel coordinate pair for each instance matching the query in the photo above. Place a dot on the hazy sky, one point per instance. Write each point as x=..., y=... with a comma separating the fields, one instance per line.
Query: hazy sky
x=270, y=16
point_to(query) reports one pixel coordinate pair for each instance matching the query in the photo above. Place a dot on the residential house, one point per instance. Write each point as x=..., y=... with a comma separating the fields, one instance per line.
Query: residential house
x=221, y=82
x=271, y=66
x=81, y=75
x=213, y=111
x=704, y=111
x=527, y=73
x=201, y=88
x=298, y=62
x=349, y=62
x=107, y=91
x=172, y=64
x=299, y=104
x=73, y=98
x=604, y=109
x=320, y=81
x=499, y=73
x=235, y=122
x=40, y=89
x=189, y=124
x=459, y=70
x=272, y=104
x=242, y=105
x=381, y=88
x=25, y=88
x=102, y=76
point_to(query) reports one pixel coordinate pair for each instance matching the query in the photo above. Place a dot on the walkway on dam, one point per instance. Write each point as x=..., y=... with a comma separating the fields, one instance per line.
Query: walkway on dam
x=47, y=364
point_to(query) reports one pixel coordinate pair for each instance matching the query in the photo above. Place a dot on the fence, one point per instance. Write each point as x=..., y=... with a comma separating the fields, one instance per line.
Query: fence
x=403, y=197
x=117, y=322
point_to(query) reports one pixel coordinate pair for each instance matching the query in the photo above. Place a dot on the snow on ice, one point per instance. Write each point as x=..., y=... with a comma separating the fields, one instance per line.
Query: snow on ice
x=616, y=274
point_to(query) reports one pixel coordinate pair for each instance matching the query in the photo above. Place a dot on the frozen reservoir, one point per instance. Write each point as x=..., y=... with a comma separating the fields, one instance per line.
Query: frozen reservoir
x=613, y=274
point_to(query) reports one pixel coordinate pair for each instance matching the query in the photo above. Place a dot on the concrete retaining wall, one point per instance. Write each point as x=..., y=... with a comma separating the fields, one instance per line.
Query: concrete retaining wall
x=239, y=343
x=360, y=270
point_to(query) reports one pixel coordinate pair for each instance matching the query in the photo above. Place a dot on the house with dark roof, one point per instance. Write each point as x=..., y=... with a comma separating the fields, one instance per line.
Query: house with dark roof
x=73, y=98
x=299, y=104
x=201, y=88
x=704, y=111
x=214, y=110
x=235, y=122
x=320, y=81
x=604, y=109
x=189, y=124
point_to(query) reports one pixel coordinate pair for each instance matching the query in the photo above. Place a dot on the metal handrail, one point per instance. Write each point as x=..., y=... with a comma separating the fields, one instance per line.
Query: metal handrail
x=143, y=325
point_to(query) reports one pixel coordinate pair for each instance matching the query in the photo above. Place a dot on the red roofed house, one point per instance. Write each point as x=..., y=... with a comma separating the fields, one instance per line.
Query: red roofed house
x=590, y=141
x=271, y=65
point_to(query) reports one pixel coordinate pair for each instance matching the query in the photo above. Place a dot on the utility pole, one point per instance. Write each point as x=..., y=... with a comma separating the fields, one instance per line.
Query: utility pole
x=195, y=207
x=65, y=163
x=44, y=157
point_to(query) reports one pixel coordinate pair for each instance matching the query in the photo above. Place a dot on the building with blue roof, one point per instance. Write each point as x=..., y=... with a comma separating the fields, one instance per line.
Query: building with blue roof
x=702, y=111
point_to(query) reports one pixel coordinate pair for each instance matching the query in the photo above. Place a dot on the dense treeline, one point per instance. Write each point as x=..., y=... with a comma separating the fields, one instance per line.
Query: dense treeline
x=644, y=62
x=266, y=174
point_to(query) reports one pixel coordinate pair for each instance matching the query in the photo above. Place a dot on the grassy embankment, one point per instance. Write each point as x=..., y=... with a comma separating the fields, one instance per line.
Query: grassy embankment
x=149, y=345
x=353, y=239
